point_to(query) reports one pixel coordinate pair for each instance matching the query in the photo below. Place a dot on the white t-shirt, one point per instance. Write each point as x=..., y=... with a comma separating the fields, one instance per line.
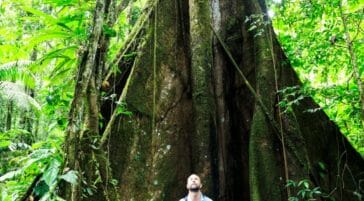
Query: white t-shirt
x=203, y=198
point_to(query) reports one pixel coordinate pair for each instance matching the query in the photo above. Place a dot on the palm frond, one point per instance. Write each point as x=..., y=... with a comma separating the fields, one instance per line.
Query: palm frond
x=15, y=92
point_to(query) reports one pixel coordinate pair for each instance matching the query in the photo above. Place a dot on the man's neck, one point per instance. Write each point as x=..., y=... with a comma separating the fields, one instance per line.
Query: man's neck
x=195, y=196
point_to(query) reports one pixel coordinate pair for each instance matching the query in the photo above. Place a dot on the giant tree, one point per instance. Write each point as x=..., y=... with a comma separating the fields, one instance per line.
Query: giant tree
x=203, y=80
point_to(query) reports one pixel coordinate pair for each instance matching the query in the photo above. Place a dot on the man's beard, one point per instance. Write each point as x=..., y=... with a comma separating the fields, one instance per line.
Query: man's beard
x=195, y=189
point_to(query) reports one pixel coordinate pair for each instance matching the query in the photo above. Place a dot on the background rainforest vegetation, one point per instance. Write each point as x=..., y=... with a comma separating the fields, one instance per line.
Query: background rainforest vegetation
x=44, y=44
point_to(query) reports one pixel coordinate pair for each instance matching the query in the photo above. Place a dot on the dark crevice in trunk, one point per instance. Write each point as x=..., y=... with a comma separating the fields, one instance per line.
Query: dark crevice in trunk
x=108, y=103
x=237, y=104
x=114, y=85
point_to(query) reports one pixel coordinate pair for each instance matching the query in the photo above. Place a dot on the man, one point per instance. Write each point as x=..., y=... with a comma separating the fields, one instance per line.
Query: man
x=194, y=189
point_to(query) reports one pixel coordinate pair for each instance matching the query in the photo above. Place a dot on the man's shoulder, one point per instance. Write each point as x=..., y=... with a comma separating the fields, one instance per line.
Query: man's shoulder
x=182, y=199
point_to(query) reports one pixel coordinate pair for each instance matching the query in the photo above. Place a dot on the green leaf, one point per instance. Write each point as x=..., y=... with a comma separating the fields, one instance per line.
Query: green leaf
x=291, y=183
x=251, y=28
x=58, y=53
x=51, y=173
x=47, y=36
x=41, y=190
x=70, y=177
x=293, y=199
x=322, y=165
x=304, y=182
x=10, y=175
x=47, y=17
x=89, y=191
x=61, y=24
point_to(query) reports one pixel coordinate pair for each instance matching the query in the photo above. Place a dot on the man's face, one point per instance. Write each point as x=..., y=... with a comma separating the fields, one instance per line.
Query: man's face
x=194, y=183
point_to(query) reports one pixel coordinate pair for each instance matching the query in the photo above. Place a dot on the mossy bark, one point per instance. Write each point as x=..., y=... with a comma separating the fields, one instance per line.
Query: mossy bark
x=193, y=112
x=201, y=84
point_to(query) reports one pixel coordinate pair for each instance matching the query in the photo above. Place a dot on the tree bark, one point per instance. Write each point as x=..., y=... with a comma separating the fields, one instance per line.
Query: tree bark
x=83, y=132
x=209, y=106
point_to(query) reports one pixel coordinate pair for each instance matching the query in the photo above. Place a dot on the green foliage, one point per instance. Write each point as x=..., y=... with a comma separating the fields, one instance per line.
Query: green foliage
x=40, y=44
x=304, y=191
x=313, y=37
x=42, y=158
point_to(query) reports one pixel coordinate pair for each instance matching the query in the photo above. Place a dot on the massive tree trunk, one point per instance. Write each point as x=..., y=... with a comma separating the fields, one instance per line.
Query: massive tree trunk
x=203, y=90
